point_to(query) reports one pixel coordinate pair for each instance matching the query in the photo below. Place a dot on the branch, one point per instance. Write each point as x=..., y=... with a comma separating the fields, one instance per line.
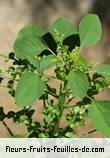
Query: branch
x=9, y=130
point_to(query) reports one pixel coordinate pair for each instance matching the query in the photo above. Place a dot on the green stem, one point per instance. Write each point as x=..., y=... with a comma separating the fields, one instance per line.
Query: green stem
x=62, y=96
x=50, y=49
x=9, y=130
x=52, y=52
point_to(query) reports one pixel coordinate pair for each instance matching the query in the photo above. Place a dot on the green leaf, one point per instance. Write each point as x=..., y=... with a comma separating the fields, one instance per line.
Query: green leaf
x=34, y=62
x=43, y=135
x=28, y=47
x=78, y=83
x=70, y=135
x=29, y=89
x=47, y=62
x=63, y=26
x=90, y=30
x=104, y=70
x=99, y=113
x=31, y=30
x=29, y=43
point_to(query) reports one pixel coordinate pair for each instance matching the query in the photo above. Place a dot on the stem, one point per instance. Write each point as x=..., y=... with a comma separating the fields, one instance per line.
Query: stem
x=90, y=98
x=44, y=103
x=92, y=131
x=56, y=96
x=9, y=130
x=88, y=133
x=62, y=96
x=52, y=52
x=69, y=100
x=50, y=49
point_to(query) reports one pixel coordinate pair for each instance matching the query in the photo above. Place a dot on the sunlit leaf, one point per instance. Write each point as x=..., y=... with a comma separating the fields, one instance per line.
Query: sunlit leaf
x=104, y=70
x=29, y=89
x=78, y=83
x=63, y=26
x=90, y=30
x=99, y=113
